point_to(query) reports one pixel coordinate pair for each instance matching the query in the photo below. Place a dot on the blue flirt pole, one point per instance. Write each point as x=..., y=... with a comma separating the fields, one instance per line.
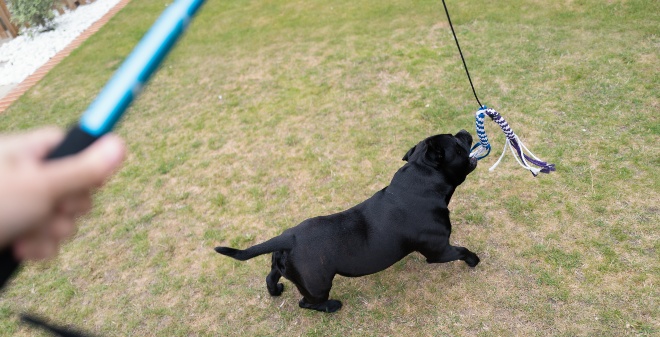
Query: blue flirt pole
x=125, y=85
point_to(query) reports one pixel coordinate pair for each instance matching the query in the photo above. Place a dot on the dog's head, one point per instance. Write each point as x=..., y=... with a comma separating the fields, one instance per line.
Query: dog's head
x=446, y=153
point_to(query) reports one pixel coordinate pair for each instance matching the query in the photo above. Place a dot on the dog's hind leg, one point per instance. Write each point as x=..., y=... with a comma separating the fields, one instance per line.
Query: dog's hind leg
x=274, y=288
x=315, y=291
x=452, y=253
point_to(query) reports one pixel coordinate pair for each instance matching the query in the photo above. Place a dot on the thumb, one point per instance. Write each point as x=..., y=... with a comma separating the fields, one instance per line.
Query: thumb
x=87, y=169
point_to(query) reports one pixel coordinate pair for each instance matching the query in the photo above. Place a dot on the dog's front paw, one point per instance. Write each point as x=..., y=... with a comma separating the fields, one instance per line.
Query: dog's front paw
x=327, y=306
x=333, y=306
x=472, y=260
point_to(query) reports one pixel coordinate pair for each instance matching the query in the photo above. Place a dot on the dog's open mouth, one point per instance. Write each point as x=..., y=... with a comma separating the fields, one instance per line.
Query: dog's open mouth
x=473, y=163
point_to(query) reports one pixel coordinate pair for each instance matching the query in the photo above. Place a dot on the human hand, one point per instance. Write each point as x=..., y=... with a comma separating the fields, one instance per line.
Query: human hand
x=40, y=200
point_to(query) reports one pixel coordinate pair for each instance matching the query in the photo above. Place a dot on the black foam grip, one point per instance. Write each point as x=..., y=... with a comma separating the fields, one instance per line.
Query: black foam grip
x=75, y=141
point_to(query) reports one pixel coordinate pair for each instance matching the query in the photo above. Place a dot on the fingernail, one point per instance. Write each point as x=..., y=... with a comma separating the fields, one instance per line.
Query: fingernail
x=113, y=149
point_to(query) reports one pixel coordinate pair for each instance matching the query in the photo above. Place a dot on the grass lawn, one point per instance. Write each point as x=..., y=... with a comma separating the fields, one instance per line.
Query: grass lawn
x=319, y=102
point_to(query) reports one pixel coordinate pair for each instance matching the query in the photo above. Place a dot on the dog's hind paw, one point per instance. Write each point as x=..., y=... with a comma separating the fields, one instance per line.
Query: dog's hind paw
x=278, y=291
x=472, y=260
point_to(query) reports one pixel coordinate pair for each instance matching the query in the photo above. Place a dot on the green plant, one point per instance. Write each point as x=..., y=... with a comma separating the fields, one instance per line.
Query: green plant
x=32, y=13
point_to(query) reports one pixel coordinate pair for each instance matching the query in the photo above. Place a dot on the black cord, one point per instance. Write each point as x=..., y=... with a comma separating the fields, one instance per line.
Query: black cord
x=461, y=52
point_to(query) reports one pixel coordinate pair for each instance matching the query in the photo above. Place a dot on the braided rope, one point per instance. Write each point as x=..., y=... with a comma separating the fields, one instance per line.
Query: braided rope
x=482, y=149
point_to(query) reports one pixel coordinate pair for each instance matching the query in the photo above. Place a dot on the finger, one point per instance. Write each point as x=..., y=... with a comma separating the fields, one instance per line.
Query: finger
x=76, y=204
x=87, y=169
x=33, y=144
x=47, y=249
x=62, y=227
x=43, y=242
x=35, y=247
x=24, y=245
x=21, y=250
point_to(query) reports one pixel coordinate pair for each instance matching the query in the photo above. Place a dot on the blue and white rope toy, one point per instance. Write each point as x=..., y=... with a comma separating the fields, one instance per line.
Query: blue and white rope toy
x=482, y=149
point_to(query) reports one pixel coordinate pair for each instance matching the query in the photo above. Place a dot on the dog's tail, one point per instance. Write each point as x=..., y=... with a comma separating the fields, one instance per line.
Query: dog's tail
x=281, y=242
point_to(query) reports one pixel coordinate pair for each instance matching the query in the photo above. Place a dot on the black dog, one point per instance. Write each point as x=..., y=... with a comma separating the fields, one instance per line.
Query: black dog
x=409, y=215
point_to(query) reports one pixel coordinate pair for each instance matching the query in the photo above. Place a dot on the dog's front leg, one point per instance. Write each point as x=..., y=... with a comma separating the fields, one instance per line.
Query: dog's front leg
x=452, y=253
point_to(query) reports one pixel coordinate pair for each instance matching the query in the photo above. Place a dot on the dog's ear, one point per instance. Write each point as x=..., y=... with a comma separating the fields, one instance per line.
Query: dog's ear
x=409, y=153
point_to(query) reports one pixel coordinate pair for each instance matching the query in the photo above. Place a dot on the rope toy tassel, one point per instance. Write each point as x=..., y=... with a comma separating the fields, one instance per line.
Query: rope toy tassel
x=521, y=153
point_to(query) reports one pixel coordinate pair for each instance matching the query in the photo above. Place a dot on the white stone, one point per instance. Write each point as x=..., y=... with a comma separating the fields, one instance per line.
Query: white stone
x=22, y=56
